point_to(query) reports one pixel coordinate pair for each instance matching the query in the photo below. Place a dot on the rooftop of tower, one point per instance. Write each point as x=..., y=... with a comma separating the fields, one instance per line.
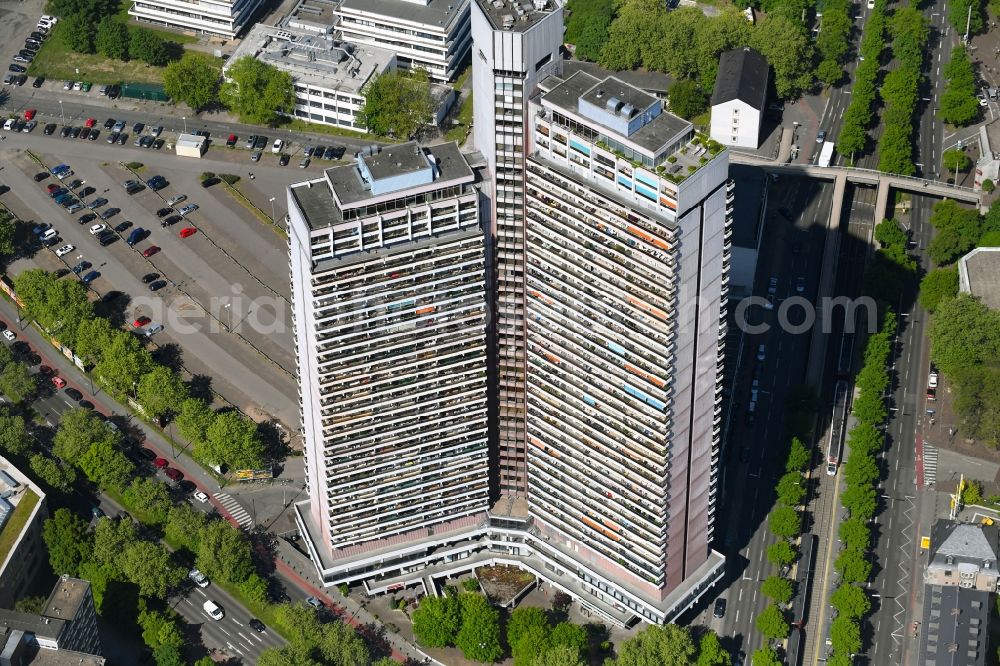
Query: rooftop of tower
x=516, y=15
x=378, y=176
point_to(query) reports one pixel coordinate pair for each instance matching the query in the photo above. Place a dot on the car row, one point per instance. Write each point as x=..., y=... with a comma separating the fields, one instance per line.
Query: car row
x=31, y=46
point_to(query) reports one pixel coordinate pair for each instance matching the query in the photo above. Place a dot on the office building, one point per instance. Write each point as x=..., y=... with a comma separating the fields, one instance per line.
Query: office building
x=65, y=632
x=432, y=35
x=22, y=511
x=628, y=242
x=328, y=76
x=214, y=18
x=515, y=45
x=387, y=260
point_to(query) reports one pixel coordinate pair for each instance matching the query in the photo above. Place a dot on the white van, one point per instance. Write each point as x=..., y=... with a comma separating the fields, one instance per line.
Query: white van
x=213, y=610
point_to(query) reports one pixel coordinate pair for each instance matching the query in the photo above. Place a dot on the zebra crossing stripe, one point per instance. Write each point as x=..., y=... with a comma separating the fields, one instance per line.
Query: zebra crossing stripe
x=235, y=509
x=930, y=464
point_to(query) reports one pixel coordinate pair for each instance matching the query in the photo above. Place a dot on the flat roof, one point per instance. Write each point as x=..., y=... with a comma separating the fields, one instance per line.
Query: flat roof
x=315, y=197
x=32, y=623
x=66, y=598
x=313, y=12
x=613, y=87
x=655, y=82
x=950, y=638
x=979, y=275
x=395, y=160
x=515, y=15
x=652, y=136
x=437, y=13
x=314, y=59
x=66, y=658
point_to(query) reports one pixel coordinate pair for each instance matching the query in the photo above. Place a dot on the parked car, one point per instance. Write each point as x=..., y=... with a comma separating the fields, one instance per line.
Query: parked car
x=283, y=160
x=160, y=463
x=49, y=129
x=199, y=579
x=187, y=232
x=137, y=235
x=231, y=141
x=150, y=251
x=277, y=146
x=59, y=382
x=213, y=610
x=140, y=321
x=163, y=212
x=176, y=199
x=90, y=277
x=64, y=250
x=173, y=474
x=187, y=210
x=109, y=213
x=149, y=277
x=123, y=226
x=158, y=285
x=200, y=496
x=255, y=156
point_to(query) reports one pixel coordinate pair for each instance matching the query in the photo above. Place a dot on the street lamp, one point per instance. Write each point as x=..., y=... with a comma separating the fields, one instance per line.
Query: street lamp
x=61, y=112
x=229, y=315
x=273, y=221
x=184, y=118
x=83, y=192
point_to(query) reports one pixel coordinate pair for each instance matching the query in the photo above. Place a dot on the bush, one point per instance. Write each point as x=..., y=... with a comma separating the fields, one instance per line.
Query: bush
x=134, y=166
x=988, y=186
x=229, y=178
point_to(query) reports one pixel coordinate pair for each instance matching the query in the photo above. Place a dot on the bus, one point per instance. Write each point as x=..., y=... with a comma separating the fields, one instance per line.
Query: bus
x=825, y=154
x=837, y=423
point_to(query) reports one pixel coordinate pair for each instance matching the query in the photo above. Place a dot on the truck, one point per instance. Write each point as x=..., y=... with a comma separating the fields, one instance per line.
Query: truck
x=826, y=154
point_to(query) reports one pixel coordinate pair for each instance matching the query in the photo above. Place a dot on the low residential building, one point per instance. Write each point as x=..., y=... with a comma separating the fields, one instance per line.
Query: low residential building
x=963, y=555
x=65, y=632
x=979, y=275
x=22, y=512
x=739, y=98
x=954, y=630
x=433, y=35
x=329, y=75
x=217, y=18
x=190, y=145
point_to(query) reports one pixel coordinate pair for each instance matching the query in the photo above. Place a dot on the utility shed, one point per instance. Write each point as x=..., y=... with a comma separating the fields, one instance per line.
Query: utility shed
x=191, y=145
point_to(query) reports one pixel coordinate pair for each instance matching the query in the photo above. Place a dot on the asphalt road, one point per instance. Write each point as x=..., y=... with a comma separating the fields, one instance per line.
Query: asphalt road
x=203, y=278
x=749, y=486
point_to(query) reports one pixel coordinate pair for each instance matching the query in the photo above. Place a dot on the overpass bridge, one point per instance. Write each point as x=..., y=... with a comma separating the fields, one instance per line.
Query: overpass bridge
x=831, y=248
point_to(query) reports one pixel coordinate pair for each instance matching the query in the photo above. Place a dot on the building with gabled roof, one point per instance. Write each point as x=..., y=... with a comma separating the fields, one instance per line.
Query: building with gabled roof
x=739, y=98
x=963, y=555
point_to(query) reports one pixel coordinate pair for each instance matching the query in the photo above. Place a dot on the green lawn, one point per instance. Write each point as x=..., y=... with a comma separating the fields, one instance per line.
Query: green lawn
x=17, y=521
x=168, y=35
x=299, y=125
x=463, y=119
x=56, y=61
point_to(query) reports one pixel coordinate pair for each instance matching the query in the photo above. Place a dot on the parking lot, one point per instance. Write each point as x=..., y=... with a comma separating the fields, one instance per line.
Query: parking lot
x=232, y=260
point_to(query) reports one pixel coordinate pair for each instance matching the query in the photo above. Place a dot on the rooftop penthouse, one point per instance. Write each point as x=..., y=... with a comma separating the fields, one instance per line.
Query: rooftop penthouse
x=516, y=15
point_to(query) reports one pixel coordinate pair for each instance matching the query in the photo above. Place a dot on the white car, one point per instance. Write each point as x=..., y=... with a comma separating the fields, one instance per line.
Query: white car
x=932, y=379
x=9, y=124
x=10, y=335
x=200, y=496
x=213, y=610
x=173, y=201
x=64, y=250
x=78, y=85
x=871, y=4
x=97, y=228
x=199, y=579
x=49, y=233
x=277, y=146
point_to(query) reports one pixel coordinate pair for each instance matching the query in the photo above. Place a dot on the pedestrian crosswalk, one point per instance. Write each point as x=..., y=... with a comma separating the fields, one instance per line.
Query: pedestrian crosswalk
x=235, y=509
x=930, y=464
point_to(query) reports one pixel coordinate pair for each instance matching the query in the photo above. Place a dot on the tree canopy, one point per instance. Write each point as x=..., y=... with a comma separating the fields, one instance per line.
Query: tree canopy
x=194, y=80
x=67, y=540
x=397, y=104
x=257, y=91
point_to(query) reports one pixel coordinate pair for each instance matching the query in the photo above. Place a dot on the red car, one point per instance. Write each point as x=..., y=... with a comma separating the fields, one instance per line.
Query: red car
x=59, y=382
x=90, y=122
x=173, y=474
x=188, y=231
x=52, y=188
x=30, y=114
x=150, y=251
x=160, y=463
x=141, y=321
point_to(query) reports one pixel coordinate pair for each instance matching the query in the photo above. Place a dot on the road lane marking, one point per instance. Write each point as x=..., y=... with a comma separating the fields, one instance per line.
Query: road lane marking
x=223, y=630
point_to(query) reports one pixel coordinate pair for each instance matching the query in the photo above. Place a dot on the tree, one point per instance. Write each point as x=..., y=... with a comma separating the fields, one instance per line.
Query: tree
x=988, y=185
x=569, y=635
x=854, y=533
x=522, y=620
x=673, y=54
x=232, y=440
x=860, y=501
x=289, y=655
x=106, y=466
x=123, y=363
x=60, y=477
x=168, y=655
x=853, y=566
x=185, y=525
x=17, y=383
x=161, y=391
x=78, y=430
x=340, y=645
x=256, y=91
x=224, y=553
x=32, y=605
x=798, y=457
x=777, y=588
x=149, y=496
x=938, y=285
x=784, y=522
x=98, y=578
x=194, y=419
x=77, y=33
x=728, y=30
x=910, y=30
x=148, y=565
x=782, y=554
x=959, y=16
x=533, y=641
x=663, y=645
x=148, y=47
x=193, y=80
x=67, y=540
x=845, y=635
x=851, y=601
x=861, y=469
x=93, y=338
x=254, y=588
x=112, y=38
x=479, y=636
x=7, y=230
x=397, y=104
x=111, y=539
x=60, y=306
x=13, y=433
x=958, y=101
x=964, y=333
x=789, y=50
x=772, y=624
x=972, y=492
x=711, y=652
x=592, y=39
x=766, y=656
x=956, y=160
x=633, y=35
x=687, y=99
x=790, y=490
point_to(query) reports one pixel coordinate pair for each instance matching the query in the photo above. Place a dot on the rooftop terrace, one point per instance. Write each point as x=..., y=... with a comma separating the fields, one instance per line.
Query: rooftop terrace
x=516, y=15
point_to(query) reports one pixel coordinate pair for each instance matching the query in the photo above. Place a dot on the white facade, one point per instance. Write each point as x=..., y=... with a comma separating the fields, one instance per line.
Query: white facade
x=735, y=123
x=328, y=76
x=388, y=293
x=510, y=55
x=190, y=145
x=432, y=35
x=216, y=18
x=26, y=555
